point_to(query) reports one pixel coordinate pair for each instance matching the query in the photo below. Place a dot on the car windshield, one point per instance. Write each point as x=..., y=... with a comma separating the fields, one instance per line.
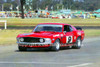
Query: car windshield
x=55, y=28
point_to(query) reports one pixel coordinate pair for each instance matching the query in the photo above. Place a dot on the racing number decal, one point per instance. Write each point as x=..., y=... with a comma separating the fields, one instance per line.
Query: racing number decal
x=69, y=39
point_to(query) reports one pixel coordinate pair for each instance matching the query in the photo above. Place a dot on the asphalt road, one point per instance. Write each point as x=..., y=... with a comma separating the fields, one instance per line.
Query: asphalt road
x=87, y=56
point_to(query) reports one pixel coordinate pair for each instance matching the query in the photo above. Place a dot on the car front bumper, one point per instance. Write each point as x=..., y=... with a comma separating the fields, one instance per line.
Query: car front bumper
x=34, y=45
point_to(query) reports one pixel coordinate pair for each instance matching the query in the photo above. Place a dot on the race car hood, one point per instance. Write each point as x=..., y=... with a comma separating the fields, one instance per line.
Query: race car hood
x=39, y=34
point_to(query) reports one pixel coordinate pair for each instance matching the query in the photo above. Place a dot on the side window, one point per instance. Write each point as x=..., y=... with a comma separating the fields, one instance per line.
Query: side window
x=71, y=29
x=68, y=28
x=65, y=28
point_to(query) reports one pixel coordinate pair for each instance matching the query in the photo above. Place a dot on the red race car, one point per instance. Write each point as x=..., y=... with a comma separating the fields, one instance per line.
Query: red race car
x=51, y=35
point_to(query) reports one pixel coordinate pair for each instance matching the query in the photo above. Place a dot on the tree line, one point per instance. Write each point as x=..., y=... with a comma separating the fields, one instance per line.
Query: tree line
x=87, y=5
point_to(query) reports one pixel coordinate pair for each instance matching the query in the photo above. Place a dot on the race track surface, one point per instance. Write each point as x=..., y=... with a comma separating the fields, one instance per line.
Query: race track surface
x=87, y=56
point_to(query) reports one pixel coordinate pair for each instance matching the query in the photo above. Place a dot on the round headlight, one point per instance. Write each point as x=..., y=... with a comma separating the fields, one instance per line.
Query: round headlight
x=41, y=40
x=21, y=39
x=47, y=40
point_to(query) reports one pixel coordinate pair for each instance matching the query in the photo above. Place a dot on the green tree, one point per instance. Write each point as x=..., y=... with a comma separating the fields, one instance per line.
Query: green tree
x=35, y=4
x=14, y=5
x=68, y=4
x=7, y=6
x=91, y=5
x=87, y=5
x=9, y=1
x=1, y=1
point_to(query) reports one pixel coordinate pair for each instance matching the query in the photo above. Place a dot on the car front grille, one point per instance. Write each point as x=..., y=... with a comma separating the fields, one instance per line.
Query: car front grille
x=31, y=40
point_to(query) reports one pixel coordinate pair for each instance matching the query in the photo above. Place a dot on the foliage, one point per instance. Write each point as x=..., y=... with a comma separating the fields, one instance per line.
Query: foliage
x=88, y=5
x=91, y=5
x=7, y=6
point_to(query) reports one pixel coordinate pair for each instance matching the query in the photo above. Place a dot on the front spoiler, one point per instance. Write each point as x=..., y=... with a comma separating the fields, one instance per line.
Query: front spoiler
x=25, y=44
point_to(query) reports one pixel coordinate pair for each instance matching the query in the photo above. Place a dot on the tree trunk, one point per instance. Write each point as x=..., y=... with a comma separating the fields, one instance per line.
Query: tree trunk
x=22, y=10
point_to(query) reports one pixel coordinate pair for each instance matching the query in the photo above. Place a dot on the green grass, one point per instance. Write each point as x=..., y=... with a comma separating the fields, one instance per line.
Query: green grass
x=92, y=32
x=33, y=22
x=8, y=37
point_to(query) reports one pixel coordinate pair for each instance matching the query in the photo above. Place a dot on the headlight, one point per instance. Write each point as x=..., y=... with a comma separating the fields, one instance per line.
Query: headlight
x=20, y=39
x=41, y=40
x=47, y=40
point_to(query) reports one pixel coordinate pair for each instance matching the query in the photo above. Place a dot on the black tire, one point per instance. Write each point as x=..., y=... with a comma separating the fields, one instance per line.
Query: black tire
x=56, y=45
x=22, y=48
x=78, y=43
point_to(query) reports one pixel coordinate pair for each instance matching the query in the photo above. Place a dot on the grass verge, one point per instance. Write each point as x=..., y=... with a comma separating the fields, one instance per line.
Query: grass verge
x=8, y=37
x=33, y=22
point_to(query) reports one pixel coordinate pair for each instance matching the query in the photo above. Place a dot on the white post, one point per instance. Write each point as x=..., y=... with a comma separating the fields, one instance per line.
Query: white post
x=5, y=24
x=17, y=9
x=84, y=16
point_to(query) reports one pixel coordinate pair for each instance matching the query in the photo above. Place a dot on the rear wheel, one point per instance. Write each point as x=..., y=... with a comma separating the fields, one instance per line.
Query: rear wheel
x=56, y=45
x=78, y=43
x=22, y=48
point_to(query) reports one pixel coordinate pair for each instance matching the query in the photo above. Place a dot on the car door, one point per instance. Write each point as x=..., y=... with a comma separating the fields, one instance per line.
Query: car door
x=68, y=34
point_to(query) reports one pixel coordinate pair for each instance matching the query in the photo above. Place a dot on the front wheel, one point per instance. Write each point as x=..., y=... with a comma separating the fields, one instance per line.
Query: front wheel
x=78, y=43
x=56, y=45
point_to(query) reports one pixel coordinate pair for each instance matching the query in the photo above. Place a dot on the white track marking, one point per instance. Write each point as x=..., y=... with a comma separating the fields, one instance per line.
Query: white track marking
x=55, y=63
x=80, y=65
x=58, y=63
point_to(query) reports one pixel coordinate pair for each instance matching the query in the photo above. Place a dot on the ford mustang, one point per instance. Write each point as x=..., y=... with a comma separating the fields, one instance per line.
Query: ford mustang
x=52, y=36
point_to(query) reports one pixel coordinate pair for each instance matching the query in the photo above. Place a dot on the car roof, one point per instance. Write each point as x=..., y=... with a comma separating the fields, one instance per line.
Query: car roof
x=55, y=23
